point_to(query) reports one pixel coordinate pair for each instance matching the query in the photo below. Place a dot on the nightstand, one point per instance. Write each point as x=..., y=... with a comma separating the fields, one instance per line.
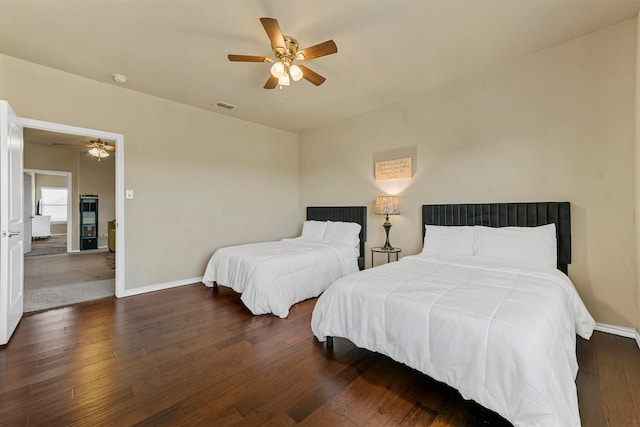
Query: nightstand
x=385, y=251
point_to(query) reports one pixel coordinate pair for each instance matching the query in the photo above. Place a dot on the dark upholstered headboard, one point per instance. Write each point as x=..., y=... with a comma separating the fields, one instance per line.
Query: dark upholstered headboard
x=356, y=214
x=508, y=214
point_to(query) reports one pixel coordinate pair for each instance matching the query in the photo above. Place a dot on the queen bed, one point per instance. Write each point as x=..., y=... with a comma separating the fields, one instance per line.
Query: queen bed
x=272, y=276
x=486, y=307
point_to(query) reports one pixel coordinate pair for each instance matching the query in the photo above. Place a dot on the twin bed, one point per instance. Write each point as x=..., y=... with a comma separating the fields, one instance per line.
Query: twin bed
x=272, y=276
x=486, y=307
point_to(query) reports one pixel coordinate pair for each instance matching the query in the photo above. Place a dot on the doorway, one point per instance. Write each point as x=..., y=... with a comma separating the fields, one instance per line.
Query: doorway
x=114, y=231
x=39, y=178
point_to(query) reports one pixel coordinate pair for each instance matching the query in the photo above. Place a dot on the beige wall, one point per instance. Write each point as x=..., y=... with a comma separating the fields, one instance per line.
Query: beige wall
x=202, y=180
x=553, y=126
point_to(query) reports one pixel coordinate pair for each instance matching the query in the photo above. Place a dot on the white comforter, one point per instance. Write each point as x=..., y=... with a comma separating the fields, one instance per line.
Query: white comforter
x=503, y=336
x=272, y=276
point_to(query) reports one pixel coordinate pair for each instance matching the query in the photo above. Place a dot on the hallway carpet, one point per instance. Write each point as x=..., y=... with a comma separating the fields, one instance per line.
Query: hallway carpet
x=61, y=295
x=58, y=280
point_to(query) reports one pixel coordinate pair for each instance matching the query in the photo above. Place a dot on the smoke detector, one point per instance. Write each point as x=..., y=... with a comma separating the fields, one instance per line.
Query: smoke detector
x=119, y=78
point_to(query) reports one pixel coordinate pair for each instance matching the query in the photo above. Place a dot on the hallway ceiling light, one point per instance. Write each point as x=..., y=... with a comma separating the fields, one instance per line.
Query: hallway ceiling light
x=98, y=152
x=97, y=147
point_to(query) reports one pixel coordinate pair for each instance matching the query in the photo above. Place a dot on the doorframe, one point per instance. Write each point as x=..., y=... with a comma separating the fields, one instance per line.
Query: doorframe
x=119, y=159
x=69, y=178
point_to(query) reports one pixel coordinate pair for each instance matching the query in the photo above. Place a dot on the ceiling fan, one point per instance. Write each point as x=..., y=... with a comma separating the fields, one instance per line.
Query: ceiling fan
x=97, y=147
x=285, y=52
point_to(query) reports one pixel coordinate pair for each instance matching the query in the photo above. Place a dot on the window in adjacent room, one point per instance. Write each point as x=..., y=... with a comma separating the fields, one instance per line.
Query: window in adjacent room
x=54, y=203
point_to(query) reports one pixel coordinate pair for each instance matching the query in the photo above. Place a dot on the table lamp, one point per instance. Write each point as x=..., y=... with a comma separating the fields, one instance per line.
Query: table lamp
x=387, y=205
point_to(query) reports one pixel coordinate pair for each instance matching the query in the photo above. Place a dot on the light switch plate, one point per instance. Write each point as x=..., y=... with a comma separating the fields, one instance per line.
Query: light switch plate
x=129, y=194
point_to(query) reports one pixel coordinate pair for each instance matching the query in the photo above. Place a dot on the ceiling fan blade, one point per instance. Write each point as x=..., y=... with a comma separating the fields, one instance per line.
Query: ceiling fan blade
x=72, y=145
x=272, y=28
x=311, y=76
x=247, y=58
x=322, y=49
x=271, y=83
x=109, y=148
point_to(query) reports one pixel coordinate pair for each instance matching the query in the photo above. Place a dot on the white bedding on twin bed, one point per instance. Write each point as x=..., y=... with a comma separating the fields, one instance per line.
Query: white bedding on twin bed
x=503, y=335
x=272, y=276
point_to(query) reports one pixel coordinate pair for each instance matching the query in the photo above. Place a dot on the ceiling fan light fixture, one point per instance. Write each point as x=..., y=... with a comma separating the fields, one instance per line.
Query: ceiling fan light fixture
x=100, y=153
x=284, y=80
x=285, y=52
x=278, y=69
x=296, y=72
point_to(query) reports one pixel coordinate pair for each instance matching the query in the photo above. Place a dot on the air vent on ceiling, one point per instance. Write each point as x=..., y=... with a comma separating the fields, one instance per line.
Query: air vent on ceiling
x=225, y=105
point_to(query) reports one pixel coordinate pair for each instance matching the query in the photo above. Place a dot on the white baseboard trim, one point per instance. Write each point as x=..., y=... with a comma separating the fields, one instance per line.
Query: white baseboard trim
x=160, y=287
x=620, y=331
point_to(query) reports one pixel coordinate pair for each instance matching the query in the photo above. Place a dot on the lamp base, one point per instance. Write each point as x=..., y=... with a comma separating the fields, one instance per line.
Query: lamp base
x=387, y=226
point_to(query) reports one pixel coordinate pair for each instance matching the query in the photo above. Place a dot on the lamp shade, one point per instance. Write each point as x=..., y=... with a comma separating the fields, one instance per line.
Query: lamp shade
x=277, y=70
x=296, y=72
x=387, y=205
x=284, y=80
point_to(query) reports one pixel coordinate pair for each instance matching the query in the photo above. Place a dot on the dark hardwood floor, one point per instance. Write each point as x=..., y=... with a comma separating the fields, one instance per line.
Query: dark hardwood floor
x=193, y=356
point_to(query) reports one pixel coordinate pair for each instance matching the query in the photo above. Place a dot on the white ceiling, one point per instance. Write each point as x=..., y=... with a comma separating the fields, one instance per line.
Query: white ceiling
x=388, y=50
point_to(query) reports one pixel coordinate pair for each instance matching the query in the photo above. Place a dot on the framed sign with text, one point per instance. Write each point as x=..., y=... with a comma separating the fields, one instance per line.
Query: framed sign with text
x=393, y=169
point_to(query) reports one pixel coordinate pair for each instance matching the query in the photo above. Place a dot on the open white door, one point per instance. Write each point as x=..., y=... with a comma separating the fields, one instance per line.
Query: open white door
x=11, y=222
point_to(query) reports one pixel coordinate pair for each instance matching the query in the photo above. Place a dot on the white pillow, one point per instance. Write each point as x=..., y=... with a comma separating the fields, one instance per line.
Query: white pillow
x=343, y=232
x=448, y=240
x=314, y=229
x=534, y=244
